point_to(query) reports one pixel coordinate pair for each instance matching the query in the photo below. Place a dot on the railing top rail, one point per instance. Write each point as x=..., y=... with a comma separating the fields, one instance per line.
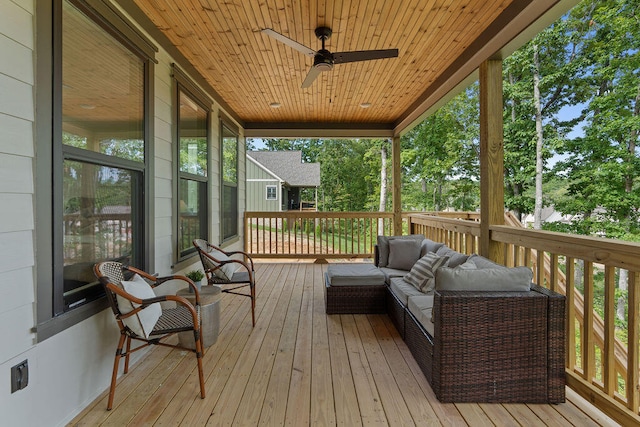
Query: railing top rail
x=473, y=216
x=314, y=214
x=449, y=224
x=613, y=252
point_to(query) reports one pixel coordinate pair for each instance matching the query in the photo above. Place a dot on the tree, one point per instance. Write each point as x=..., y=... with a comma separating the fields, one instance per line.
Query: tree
x=440, y=155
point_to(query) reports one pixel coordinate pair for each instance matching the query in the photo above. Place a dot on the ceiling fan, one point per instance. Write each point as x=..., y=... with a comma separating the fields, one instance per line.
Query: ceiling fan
x=323, y=60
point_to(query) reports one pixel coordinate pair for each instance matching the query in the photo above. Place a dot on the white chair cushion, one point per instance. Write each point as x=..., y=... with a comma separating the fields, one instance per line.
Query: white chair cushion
x=143, y=322
x=226, y=271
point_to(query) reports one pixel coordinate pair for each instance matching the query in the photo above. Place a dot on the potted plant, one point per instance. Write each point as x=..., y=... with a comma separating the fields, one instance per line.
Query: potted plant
x=196, y=276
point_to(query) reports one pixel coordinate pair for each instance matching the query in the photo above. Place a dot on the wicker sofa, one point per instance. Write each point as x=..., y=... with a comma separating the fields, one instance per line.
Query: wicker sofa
x=478, y=345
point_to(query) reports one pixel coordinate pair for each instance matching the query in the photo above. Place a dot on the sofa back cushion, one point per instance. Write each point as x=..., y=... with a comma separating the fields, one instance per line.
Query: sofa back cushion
x=484, y=279
x=383, y=246
x=403, y=253
x=455, y=258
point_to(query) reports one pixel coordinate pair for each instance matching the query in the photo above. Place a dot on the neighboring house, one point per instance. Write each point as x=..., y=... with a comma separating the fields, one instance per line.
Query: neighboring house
x=275, y=178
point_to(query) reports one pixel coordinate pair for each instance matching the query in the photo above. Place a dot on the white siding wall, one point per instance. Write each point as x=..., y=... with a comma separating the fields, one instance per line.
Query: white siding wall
x=164, y=154
x=16, y=201
x=70, y=369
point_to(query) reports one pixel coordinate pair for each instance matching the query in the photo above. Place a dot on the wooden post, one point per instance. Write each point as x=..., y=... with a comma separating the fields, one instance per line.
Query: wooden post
x=396, y=177
x=491, y=157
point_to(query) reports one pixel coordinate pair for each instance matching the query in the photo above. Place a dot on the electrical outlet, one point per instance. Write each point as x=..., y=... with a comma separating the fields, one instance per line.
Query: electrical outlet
x=19, y=376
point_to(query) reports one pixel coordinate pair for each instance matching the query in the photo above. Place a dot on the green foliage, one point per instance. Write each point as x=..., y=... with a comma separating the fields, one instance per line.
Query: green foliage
x=602, y=169
x=439, y=158
x=195, y=275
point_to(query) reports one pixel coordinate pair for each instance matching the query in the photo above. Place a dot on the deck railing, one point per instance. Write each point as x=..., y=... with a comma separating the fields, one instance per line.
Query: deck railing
x=603, y=326
x=317, y=235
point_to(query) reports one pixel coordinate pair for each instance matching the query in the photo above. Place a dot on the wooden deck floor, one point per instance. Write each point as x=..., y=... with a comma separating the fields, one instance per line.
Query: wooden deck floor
x=298, y=367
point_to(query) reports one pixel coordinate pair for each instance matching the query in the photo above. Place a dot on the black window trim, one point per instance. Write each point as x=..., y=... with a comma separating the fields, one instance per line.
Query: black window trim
x=184, y=84
x=225, y=122
x=48, y=132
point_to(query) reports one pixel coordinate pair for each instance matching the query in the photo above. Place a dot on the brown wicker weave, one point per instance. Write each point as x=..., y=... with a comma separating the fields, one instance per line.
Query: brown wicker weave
x=556, y=330
x=360, y=299
x=490, y=347
x=396, y=312
x=185, y=317
x=420, y=344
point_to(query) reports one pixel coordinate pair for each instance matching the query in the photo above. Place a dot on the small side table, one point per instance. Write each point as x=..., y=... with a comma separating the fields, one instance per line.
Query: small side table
x=209, y=315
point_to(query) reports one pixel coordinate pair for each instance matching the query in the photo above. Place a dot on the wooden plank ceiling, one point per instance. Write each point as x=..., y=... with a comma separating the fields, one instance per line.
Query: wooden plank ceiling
x=249, y=70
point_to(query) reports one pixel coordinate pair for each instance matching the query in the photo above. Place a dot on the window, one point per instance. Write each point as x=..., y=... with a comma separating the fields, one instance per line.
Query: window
x=271, y=192
x=94, y=124
x=229, y=164
x=193, y=137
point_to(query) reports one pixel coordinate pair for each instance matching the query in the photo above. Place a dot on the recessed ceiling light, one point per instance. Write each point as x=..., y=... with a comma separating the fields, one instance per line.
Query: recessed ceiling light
x=365, y=105
x=87, y=106
x=275, y=105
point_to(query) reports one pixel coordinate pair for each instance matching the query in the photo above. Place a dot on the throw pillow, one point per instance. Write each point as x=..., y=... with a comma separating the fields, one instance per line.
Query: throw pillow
x=403, y=253
x=422, y=275
x=226, y=271
x=484, y=279
x=383, y=246
x=429, y=245
x=143, y=322
x=455, y=258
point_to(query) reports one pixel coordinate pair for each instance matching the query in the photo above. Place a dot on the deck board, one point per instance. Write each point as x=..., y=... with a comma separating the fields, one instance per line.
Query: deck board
x=299, y=366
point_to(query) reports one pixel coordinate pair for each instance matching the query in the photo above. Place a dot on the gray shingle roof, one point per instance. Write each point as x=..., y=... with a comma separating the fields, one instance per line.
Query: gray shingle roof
x=288, y=166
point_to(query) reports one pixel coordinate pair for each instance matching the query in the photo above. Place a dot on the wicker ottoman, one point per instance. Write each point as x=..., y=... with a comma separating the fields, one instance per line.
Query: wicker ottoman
x=354, y=289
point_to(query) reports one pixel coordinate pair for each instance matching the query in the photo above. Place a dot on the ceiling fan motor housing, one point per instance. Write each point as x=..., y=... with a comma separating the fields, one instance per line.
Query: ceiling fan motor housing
x=323, y=60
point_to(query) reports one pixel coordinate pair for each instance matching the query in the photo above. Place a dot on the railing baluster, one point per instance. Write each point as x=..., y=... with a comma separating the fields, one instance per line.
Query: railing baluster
x=609, y=375
x=588, y=345
x=633, y=357
x=571, y=313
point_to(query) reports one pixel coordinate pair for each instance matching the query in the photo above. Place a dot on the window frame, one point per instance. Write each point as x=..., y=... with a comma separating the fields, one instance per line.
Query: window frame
x=182, y=84
x=275, y=192
x=51, y=317
x=226, y=124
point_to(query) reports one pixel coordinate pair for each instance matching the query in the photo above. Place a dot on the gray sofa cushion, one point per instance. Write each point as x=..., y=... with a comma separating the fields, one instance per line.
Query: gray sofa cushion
x=389, y=273
x=355, y=274
x=403, y=290
x=383, y=246
x=429, y=245
x=484, y=279
x=455, y=258
x=403, y=253
x=482, y=262
x=421, y=308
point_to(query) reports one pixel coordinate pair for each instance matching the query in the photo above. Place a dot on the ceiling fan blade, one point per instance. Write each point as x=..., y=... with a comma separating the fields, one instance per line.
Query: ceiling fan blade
x=363, y=55
x=292, y=43
x=311, y=76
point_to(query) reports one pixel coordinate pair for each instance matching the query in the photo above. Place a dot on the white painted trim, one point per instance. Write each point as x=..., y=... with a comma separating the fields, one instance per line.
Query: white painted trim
x=266, y=189
x=260, y=165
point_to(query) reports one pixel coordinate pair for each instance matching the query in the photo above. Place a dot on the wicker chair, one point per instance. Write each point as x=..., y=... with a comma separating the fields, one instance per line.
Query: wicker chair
x=222, y=270
x=132, y=314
